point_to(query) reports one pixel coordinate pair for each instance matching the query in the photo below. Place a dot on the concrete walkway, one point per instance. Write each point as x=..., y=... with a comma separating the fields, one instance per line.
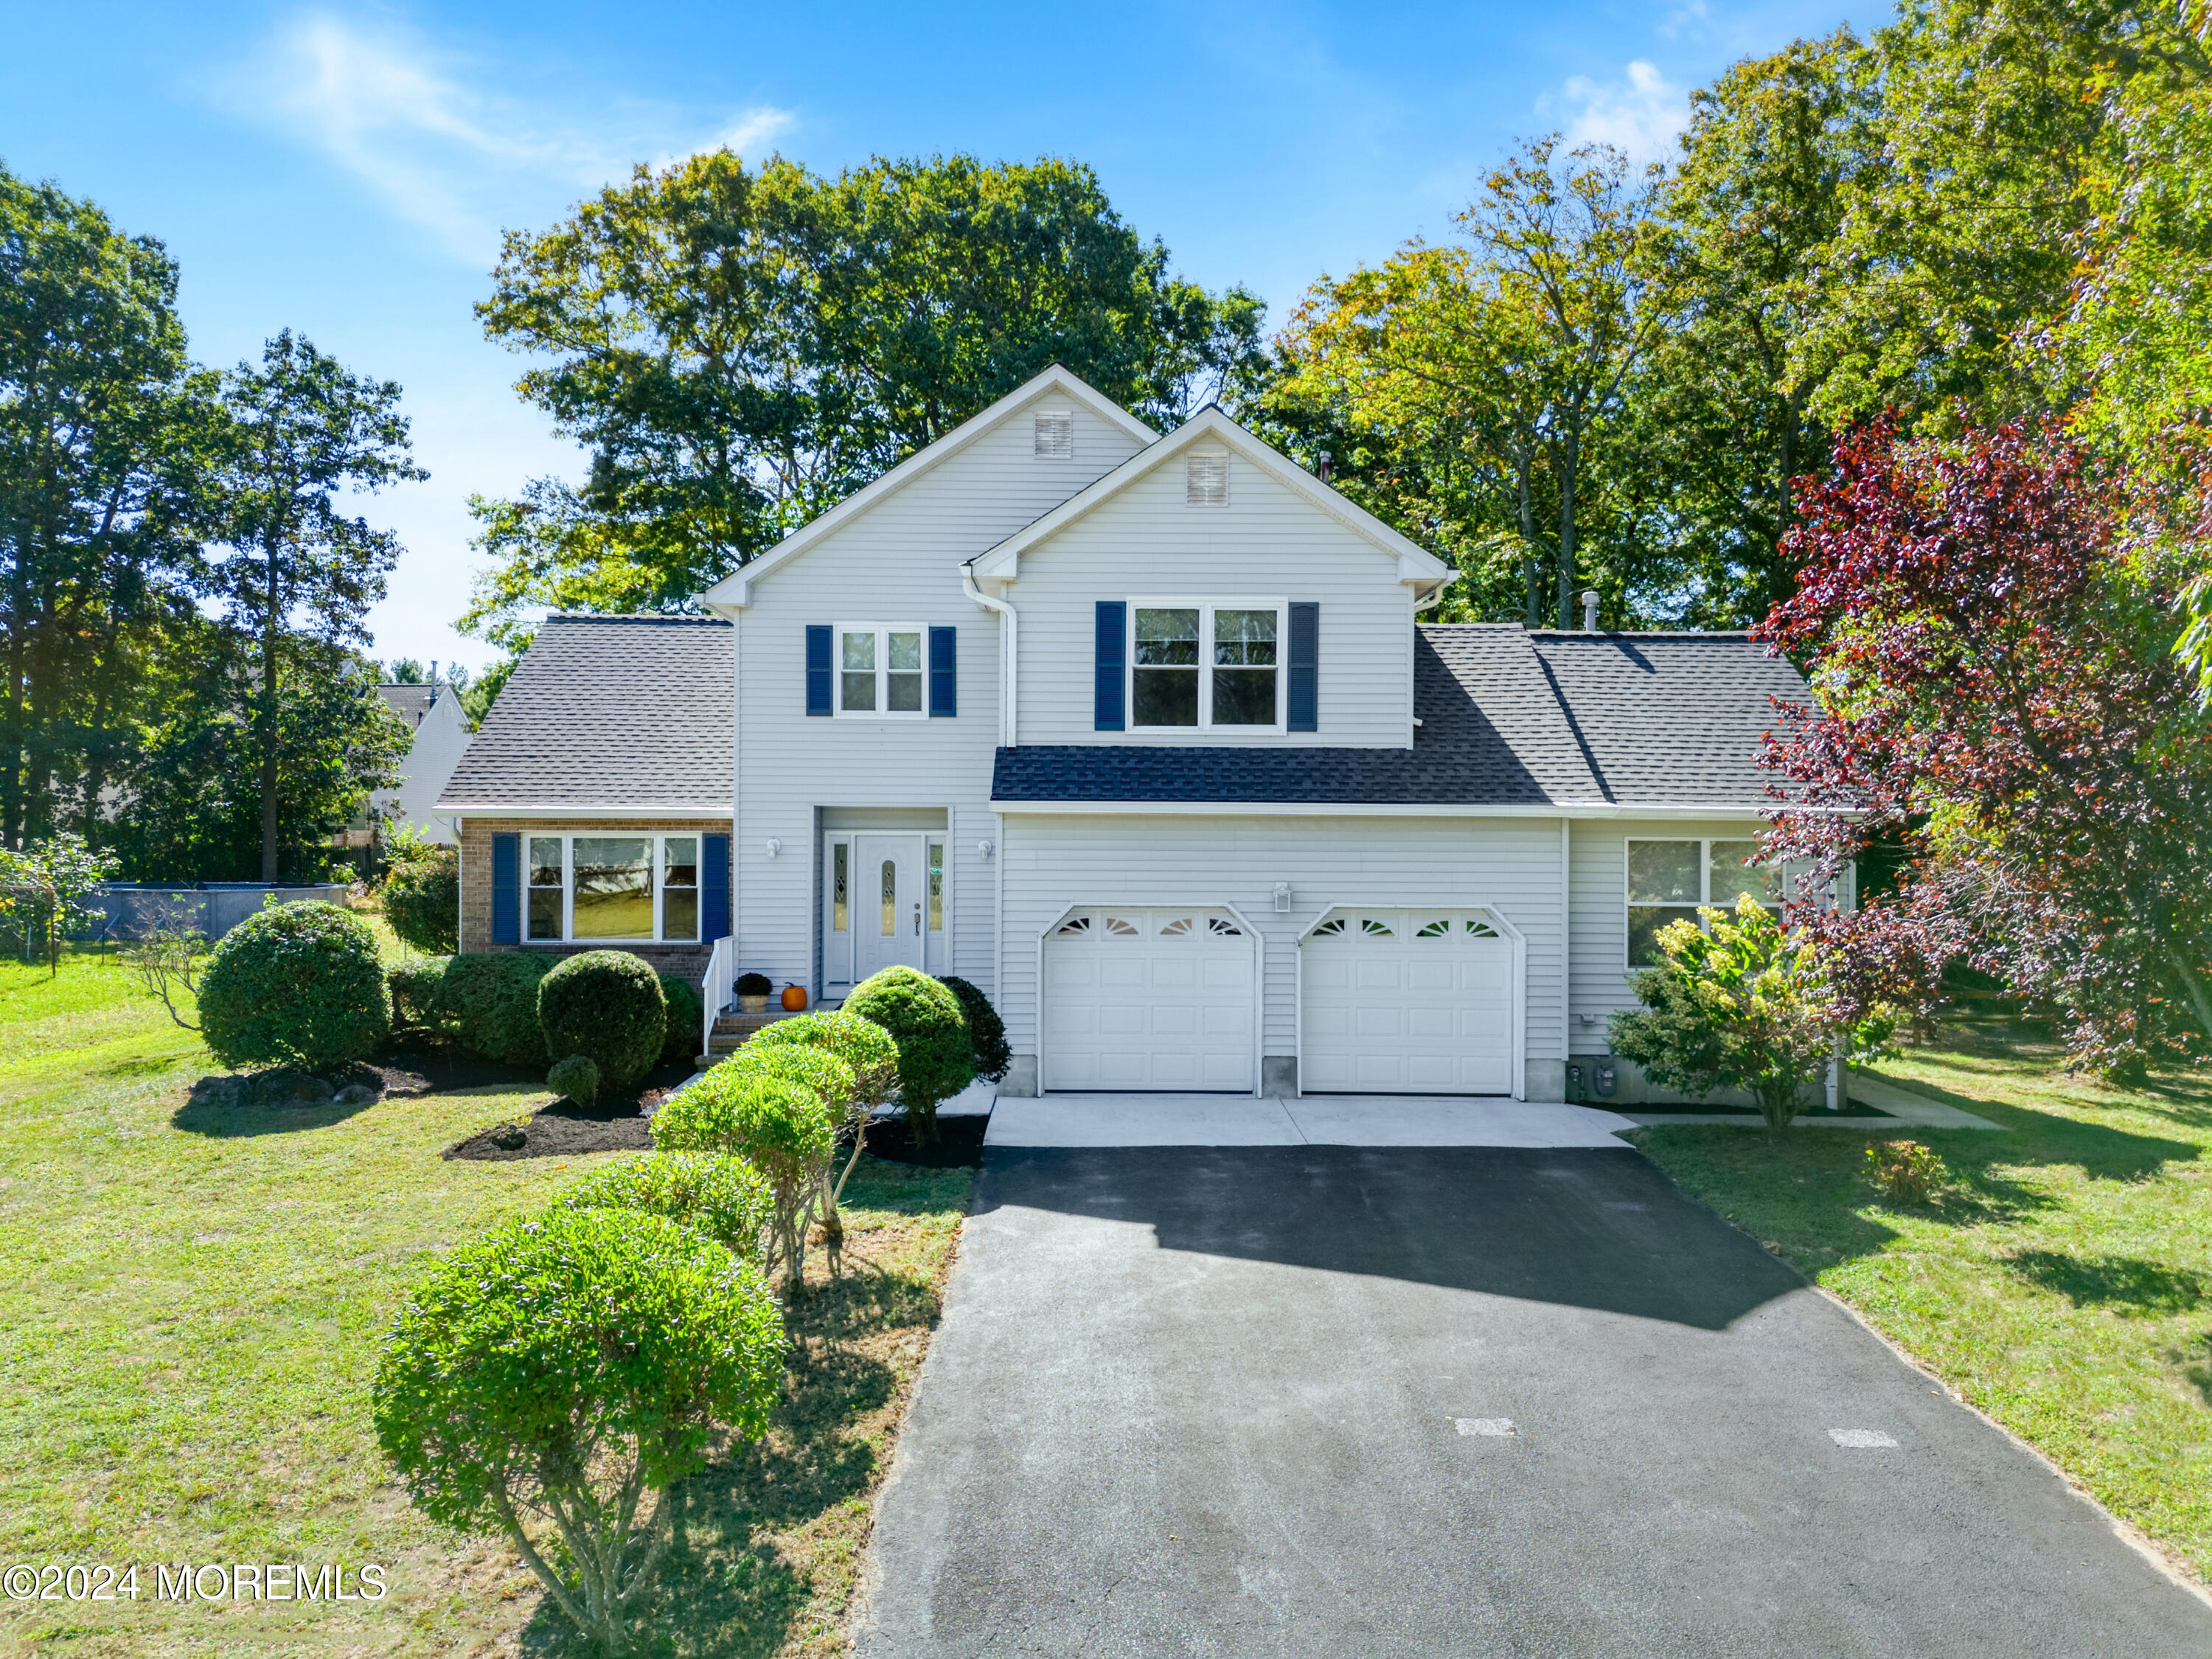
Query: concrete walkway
x=1898, y=1108
x=1148, y=1119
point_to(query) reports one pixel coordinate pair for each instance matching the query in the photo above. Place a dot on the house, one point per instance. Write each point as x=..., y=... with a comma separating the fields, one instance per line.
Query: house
x=1145, y=735
x=441, y=735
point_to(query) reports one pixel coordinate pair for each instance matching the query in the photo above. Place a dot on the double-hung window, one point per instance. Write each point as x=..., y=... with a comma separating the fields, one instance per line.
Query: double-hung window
x=1669, y=880
x=879, y=670
x=1206, y=663
x=597, y=888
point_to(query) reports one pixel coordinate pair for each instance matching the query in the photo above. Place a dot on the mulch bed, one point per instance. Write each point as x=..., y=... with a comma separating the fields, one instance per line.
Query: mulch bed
x=960, y=1143
x=564, y=1129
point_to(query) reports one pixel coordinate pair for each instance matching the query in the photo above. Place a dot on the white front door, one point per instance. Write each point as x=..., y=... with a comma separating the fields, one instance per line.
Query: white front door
x=1401, y=1001
x=889, y=896
x=1149, y=998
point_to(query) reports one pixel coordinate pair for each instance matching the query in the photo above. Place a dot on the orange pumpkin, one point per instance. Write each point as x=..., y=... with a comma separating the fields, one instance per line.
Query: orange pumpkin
x=794, y=998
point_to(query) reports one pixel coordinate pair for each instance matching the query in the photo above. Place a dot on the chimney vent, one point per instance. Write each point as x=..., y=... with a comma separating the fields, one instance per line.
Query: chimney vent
x=1326, y=457
x=1590, y=611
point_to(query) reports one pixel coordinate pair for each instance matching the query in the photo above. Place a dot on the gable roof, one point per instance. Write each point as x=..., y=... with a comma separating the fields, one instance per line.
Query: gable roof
x=1415, y=563
x=735, y=589
x=410, y=700
x=607, y=715
x=1511, y=722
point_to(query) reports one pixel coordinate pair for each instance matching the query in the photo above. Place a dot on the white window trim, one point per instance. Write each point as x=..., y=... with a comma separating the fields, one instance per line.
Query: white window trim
x=883, y=632
x=1704, y=845
x=1206, y=608
x=660, y=839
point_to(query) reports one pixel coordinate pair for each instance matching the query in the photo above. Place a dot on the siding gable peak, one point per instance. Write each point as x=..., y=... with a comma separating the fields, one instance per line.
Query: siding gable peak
x=1056, y=384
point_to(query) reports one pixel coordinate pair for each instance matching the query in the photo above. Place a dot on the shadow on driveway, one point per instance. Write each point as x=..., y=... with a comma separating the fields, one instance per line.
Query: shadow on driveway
x=1600, y=1230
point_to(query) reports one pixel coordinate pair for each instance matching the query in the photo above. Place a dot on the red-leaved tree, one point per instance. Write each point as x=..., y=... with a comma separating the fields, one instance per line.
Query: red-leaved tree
x=1993, y=683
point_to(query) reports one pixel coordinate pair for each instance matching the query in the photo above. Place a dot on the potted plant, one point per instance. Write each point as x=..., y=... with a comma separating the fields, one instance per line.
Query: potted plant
x=752, y=993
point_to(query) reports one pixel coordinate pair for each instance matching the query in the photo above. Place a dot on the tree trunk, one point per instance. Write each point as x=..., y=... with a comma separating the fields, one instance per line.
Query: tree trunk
x=1567, y=524
x=271, y=621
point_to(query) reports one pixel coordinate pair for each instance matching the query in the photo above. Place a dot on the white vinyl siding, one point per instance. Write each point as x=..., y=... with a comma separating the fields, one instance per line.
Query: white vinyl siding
x=1147, y=539
x=902, y=559
x=1054, y=861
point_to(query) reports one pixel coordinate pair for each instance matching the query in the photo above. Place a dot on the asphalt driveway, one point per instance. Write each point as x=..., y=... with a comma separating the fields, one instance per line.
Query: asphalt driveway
x=1323, y=1401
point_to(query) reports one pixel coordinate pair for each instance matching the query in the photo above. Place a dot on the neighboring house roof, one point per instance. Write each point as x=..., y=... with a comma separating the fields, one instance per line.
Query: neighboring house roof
x=1509, y=721
x=607, y=715
x=1056, y=380
x=1415, y=563
x=411, y=701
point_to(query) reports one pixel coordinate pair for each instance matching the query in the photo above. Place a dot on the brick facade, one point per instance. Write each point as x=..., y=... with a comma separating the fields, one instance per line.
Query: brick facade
x=685, y=960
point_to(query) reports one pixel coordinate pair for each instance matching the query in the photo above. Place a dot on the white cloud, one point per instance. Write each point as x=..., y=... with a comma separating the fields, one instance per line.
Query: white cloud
x=1691, y=14
x=1640, y=115
x=428, y=133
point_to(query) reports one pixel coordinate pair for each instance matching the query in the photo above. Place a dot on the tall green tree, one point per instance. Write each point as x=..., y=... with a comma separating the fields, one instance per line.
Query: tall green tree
x=99, y=418
x=297, y=430
x=739, y=350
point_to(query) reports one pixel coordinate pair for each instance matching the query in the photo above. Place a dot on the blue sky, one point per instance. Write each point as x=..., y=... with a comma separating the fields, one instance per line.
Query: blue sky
x=345, y=170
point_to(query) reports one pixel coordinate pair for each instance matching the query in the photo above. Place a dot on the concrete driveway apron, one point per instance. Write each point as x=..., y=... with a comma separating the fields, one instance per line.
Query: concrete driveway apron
x=1320, y=1400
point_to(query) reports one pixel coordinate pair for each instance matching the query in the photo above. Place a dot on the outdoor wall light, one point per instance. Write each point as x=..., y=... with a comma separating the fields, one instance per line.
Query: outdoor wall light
x=987, y=848
x=774, y=846
x=1282, y=897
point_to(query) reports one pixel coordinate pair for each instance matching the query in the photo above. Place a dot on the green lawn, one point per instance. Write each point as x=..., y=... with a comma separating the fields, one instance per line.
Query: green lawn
x=2060, y=1279
x=197, y=1297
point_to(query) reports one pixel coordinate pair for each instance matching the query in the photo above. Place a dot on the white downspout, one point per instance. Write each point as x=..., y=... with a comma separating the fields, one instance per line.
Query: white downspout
x=1009, y=655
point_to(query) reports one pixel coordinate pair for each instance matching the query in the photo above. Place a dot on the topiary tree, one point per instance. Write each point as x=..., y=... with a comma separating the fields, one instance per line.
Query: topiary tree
x=547, y=1378
x=722, y=1196
x=987, y=1032
x=422, y=892
x=606, y=1006
x=687, y=1016
x=775, y=1123
x=1746, y=1006
x=936, y=1058
x=492, y=1001
x=575, y=1078
x=294, y=985
x=869, y=1051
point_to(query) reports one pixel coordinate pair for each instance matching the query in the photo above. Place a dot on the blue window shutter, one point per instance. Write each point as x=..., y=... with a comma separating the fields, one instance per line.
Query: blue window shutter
x=1304, y=702
x=944, y=671
x=506, y=889
x=817, y=669
x=1112, y=661
x=714, y=887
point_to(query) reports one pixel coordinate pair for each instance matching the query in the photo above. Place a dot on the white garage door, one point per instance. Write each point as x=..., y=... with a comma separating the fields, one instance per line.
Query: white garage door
x=1148, y=998
x=1407, y=1002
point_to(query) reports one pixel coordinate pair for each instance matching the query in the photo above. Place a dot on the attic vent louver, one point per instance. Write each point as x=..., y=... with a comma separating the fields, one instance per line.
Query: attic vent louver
x=1206, y=483
x=1055, y=433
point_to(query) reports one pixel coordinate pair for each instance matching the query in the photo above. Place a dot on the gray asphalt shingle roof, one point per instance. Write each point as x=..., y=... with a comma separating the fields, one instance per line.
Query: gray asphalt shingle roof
x=1508, y=719
x=607, y=711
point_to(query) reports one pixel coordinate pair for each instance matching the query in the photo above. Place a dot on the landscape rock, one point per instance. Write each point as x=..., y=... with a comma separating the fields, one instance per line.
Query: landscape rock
x=357, y=1094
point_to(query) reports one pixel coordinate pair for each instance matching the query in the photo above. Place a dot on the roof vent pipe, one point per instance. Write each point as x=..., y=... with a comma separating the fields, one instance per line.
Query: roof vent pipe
x=1590, y=611
x=1326, y=457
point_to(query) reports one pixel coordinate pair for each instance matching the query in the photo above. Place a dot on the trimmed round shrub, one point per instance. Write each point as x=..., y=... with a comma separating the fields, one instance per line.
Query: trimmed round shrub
x=723, y=1197
x=755, y=985
x=987, y=1032
x=937, y=1058
x=862, y=1044
x=422, y=899
x=575, y=1078
x=612, y=1331
x=294, y=985
x=779, y=1126
x=418, y=990
x=817, y=1069
x=687, y=1017
x=606, y=1006
x=491, y=999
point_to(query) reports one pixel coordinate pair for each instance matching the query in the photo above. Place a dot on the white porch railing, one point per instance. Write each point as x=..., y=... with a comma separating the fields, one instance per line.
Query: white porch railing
x=715, y=989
